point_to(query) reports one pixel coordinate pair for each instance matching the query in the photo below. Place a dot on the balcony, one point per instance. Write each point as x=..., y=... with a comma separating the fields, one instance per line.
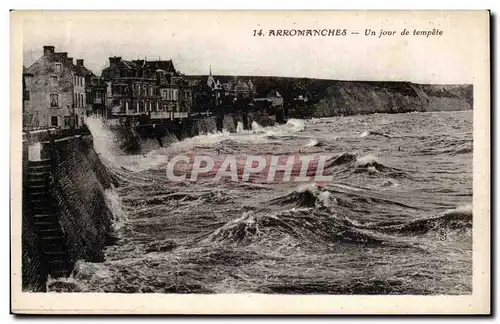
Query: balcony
x=161, y=115
x=168, y=115
x=180, y=115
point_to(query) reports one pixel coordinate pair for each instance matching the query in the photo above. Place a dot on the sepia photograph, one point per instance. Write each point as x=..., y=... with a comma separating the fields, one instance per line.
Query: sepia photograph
x=249, y=154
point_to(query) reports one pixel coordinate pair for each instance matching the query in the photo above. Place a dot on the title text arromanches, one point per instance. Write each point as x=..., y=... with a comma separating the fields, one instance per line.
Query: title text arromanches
x=307, y=32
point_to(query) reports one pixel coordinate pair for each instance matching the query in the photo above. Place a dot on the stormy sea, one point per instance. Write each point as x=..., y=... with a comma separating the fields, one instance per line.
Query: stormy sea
x=395, y=219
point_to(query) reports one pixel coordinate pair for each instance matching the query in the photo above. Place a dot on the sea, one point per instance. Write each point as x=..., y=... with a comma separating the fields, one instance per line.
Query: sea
x=396, y=218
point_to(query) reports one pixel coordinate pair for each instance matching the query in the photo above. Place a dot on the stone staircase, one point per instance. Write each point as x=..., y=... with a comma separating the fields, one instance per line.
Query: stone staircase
x=46, y=219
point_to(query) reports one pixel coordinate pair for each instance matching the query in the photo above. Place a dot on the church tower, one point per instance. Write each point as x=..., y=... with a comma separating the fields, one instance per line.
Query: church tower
x=211, y=80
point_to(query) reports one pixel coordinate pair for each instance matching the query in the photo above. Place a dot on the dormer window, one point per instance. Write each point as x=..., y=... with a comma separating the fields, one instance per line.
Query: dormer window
x=58, y=67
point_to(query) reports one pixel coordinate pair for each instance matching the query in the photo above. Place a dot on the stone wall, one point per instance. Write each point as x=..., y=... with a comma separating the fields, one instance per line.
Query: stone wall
x=79, y=182
x=76, y=187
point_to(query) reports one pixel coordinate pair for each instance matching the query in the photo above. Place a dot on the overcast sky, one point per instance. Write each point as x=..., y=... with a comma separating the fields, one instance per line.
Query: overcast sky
x=195, y=40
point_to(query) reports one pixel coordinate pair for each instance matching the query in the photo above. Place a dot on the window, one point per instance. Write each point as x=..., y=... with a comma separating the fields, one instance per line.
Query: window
x=126, y=105
x=98, y=97
x=150, y=90
x=150, y=106
x=54, y=100
x=53, y=121
x=66, y=121
x=53, y=80
x=58, y=67
x=82, y=100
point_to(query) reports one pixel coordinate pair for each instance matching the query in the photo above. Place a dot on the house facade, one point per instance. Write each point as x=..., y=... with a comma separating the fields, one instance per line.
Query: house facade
x=231, y=95
x=56, y=90
x=96, y=90
x=152, y=88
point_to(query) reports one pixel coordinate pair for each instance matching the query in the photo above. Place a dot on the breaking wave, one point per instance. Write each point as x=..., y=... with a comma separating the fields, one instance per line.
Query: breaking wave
x=306, y=229
x=371, y=164
x=375, y=133
x=314, y=143
x=257, y=128
x=304, y=196
x=239, y=127
x=459, y=218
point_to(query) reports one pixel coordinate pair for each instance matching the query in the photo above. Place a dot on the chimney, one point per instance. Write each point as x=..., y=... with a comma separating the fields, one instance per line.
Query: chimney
x=48, y=50
x=79, y=62
x=63, y=55
x=70, y=60
x=113, y=60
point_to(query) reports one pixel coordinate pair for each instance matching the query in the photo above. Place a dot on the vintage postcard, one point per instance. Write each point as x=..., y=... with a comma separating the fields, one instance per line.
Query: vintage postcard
x=250, y=162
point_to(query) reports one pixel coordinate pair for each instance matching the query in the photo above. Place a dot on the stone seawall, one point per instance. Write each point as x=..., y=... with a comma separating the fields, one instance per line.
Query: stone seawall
x=80, y=180
x=65, y=216
x=141, y=139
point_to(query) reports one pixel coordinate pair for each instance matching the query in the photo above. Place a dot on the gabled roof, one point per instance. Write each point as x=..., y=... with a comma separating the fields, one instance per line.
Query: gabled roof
x=83, y=71
x=241, y=86
x=165, y=65
x=61, y=58
x=129, y=64
x=138, y=65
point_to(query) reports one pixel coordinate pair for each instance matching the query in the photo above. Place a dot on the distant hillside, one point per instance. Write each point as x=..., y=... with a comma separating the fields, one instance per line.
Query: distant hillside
x=332, y=98
x=449, y=97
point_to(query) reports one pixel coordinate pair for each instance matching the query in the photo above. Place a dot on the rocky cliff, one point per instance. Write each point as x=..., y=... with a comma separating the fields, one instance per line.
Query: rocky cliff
x=333, y=97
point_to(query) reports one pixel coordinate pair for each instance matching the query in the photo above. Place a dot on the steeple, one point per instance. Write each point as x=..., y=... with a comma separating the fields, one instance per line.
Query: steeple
x=210, y=80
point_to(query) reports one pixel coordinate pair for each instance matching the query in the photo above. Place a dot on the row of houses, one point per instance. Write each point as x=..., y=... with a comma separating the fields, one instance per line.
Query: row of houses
x=60, y=92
